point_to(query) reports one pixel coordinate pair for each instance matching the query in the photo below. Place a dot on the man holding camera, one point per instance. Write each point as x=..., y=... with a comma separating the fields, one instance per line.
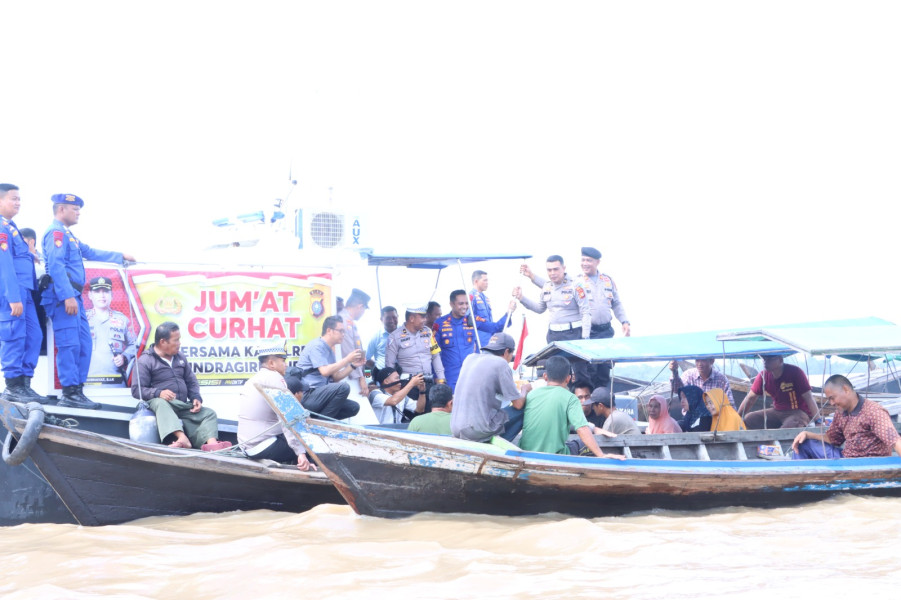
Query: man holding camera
x=391, y=399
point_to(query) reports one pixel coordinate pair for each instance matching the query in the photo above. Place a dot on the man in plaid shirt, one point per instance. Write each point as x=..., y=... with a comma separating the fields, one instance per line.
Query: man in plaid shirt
x=704, y=375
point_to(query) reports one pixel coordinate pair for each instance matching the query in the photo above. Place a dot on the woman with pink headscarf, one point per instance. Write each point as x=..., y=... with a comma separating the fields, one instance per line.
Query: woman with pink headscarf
x=659, y=420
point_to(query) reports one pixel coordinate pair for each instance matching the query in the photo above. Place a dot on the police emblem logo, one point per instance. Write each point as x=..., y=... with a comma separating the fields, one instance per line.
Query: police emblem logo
x=102, y=281
x=317, y=308
x=70, y=198
x=3, y=242
x=168, y=306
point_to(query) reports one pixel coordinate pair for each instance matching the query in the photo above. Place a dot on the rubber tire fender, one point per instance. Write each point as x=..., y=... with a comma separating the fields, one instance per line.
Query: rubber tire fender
x=27, y=440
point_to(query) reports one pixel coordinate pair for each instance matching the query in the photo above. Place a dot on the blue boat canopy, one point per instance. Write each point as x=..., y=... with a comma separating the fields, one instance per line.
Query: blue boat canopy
x=658, y=347
x=848, y=338
x=849, y=342
x=432, y=261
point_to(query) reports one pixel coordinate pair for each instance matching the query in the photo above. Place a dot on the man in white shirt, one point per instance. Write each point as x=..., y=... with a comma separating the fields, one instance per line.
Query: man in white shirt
x=258, y=425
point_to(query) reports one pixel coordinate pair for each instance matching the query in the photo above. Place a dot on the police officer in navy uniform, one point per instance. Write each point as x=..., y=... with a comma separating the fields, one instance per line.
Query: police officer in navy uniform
x=455, y=336
x=65, y=255
x=113, y=341
x=481, y=309
x=20, y=331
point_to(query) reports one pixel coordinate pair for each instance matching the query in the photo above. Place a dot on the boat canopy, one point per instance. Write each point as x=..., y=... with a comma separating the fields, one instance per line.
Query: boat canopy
x=826, y=337
x=847, y=342
x=432, y=261
x=658, y=347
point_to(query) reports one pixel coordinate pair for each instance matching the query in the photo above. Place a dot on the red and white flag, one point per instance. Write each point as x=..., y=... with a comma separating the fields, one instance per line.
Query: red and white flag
x=522, y=338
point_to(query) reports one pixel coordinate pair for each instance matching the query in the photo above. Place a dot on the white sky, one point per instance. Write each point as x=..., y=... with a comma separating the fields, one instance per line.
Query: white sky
x=736, y=162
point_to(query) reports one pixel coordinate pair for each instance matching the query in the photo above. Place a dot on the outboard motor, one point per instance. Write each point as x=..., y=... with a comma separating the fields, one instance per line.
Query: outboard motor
x=142, y=427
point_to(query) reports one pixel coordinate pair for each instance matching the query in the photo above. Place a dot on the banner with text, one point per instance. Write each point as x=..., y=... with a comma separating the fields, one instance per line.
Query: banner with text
x=224, y=316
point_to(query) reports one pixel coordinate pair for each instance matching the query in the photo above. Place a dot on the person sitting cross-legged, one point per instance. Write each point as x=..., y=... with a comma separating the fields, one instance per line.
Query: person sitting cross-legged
x=165, y=380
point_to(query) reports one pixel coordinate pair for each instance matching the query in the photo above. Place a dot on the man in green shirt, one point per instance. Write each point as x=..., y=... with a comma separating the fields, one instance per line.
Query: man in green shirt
x=551, y=410
x=438, y=421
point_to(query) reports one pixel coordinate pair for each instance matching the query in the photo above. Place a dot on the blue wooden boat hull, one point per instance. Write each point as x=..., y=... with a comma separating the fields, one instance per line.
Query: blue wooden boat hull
x=394, y=474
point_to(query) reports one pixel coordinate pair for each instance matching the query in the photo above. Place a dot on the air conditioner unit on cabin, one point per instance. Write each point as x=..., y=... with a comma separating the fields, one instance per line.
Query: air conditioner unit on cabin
x=328, y=229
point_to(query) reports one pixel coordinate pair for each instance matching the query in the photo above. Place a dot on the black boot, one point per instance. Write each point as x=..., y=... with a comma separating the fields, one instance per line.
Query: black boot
x=72, y=399
x=85, y=397
x=33, y=396
x=13, y=391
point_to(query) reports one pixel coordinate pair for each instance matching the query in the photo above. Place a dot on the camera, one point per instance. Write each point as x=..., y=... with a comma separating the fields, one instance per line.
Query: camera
x=427, y=379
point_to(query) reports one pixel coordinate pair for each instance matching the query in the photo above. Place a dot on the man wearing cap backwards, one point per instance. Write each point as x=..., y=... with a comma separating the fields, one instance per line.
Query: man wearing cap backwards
x=321, y=372
x=481, y=308
x=65, y=255
x=114, y=341
x=485, y=382
x=605, y=304
x=413, y=348
x=20, y=331
x=166, y=381
x=551, y=410
x=259, y=428
x=354, y=309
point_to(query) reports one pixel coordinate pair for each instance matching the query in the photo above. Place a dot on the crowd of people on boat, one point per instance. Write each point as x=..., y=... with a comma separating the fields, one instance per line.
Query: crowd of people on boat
x=451, y=375
x=442, y=374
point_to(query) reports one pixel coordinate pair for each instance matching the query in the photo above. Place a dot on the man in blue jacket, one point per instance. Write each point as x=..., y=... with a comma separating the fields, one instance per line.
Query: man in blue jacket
x=481, y=309
x=455, y=334
x=20, y=331
x=65, y=255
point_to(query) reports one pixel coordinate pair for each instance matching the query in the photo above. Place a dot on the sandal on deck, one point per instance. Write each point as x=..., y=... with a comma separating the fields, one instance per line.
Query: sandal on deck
x=216, y=446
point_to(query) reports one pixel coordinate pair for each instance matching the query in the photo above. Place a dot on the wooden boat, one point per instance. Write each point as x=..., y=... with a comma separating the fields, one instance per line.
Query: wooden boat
x=105, y=480
x=148, y=294
x=393, y=474
x=123, y=483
